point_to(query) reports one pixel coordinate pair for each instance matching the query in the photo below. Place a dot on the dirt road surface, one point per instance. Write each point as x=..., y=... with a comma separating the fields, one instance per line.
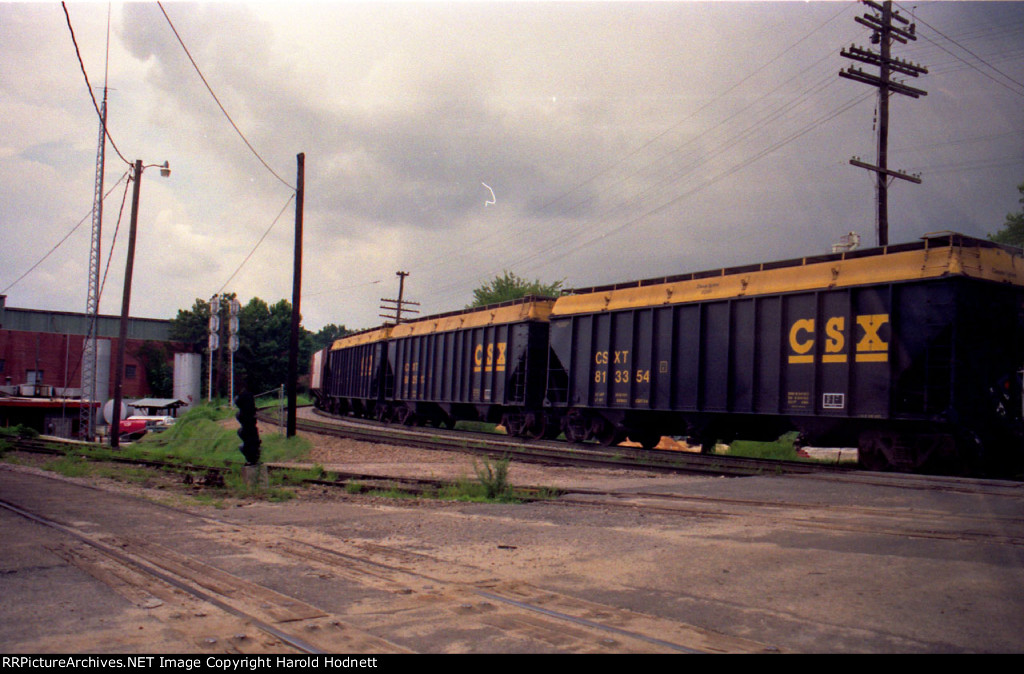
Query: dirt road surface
x=626, y=562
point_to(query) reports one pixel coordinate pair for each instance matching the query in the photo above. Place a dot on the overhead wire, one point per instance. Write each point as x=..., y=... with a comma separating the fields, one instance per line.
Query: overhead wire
x=717, y=99
x=217, y=100
x=767, y=151
x=239, y=268
x=670, y=155
x=110, y=255
x=88, y=86
x=66, y=237
x=766, y=116
x=972, y=53
x=113, y=242
x=724, y=174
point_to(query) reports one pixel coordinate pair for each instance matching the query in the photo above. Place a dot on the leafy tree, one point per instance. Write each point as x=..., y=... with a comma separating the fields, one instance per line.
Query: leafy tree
x=156, y=360
x=1012, y=232
x=191, y=325
x=264, y=333
x=508, y=286
x=327, y=335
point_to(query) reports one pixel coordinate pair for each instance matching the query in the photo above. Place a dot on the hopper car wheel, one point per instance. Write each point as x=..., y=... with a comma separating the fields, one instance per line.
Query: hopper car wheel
x=538, y=427
x=606, y=433
x=575, y=427
x=509, y=425
x=405, y=416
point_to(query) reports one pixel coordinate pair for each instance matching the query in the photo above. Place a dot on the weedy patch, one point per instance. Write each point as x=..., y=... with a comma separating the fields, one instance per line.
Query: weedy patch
x=393, y=492
x=69, y=466
x=493, y=477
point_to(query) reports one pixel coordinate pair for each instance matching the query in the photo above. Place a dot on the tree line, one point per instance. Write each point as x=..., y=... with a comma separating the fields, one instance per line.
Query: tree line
x=264, y=332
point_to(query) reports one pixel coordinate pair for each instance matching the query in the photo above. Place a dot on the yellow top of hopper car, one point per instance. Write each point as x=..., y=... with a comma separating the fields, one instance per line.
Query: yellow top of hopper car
x=951, y=254
x=532, y=309
x=526, y=309
x=360, y=338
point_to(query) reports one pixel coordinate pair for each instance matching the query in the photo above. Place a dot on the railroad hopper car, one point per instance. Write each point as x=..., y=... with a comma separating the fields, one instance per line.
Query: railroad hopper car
x=912, y=353
x=350, y=374
x=486, y=364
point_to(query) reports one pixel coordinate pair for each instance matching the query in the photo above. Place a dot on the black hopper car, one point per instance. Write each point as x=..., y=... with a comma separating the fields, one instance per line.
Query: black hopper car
x=912, y=353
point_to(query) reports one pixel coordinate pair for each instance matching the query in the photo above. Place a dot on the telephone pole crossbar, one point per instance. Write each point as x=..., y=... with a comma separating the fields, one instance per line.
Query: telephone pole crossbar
x=396, y=308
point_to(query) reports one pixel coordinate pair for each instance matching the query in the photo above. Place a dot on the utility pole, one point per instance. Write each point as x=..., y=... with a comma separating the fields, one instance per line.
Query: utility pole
x=213, y=342
x=122, y=338
x=398, y=306
x=884, y=32
x=293, y=344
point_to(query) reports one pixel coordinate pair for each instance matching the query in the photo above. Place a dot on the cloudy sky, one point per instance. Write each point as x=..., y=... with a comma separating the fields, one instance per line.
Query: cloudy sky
x=621, y=140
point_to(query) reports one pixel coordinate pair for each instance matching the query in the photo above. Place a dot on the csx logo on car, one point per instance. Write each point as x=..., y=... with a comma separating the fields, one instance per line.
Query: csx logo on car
x=484, y=357
x=870, y=347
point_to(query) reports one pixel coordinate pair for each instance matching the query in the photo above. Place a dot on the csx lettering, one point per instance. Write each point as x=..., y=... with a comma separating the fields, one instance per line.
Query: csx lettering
x=871, y=341
x=490, y=356
x=835, y=340
x=618, y=357
x=870, y=347
x=801, y=340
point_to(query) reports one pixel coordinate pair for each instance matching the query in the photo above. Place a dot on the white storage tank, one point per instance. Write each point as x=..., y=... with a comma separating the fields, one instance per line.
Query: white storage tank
x=102, y=377
x=188, y=379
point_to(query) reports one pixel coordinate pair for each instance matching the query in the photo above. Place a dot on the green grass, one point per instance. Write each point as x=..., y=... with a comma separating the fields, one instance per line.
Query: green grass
x=69, y=466
x=198, y=438
x=18, y=432
x=271, y=402
x=479, y=427
x=782, y=449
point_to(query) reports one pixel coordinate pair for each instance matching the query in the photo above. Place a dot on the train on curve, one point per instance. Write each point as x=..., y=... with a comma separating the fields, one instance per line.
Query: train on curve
x=912, y=353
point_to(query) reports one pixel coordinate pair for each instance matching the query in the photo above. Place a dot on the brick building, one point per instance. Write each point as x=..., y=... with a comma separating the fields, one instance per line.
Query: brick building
x=41, y=353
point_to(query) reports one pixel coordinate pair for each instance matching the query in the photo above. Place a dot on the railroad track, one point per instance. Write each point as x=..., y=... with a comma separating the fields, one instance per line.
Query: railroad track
x=397, y=587
x=935, y=524
x=550, y=452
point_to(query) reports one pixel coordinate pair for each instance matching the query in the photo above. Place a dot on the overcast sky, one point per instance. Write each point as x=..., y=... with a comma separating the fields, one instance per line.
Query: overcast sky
x=620, y=140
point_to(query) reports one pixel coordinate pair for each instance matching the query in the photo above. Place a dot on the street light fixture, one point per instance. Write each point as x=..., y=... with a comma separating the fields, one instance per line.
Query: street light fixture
x=115, y=422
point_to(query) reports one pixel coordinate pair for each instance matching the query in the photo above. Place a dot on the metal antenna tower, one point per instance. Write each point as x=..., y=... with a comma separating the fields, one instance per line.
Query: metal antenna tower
x=87, y=416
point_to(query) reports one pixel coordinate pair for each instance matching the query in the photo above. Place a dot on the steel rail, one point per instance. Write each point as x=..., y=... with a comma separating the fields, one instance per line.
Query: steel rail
x=289, y=639
x=560, y=453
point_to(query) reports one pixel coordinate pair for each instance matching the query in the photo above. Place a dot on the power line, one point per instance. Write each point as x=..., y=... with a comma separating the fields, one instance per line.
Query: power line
x=89, y=87
x=951, y=40
x=348, y=287
x=256, y=246
x=59, y=243
x=210, y=89
x=671, y=152
x=113, y=241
